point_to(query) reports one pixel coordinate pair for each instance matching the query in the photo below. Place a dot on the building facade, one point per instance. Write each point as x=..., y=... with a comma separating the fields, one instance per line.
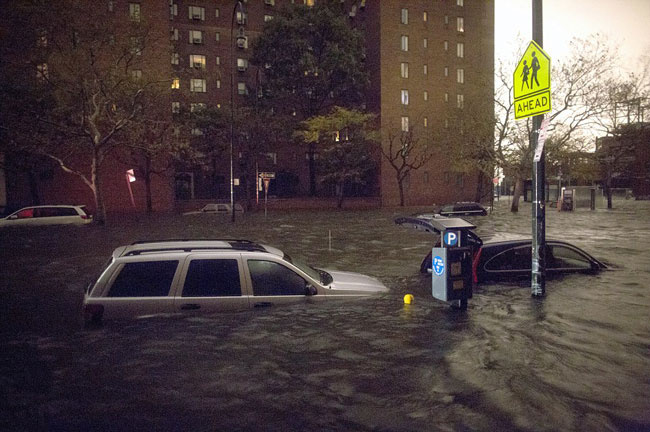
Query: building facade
x=431, y=69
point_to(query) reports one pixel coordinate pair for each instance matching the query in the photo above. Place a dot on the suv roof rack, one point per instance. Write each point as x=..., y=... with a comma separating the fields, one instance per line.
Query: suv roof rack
x=199, y=244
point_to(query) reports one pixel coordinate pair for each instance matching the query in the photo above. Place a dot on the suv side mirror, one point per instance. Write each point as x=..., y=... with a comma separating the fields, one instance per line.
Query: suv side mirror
x=310, y=290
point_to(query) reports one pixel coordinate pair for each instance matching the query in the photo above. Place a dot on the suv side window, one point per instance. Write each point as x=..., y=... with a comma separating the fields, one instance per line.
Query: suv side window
x=562, y=257
x=272, y=279
x=144, y=279
x=212, y=278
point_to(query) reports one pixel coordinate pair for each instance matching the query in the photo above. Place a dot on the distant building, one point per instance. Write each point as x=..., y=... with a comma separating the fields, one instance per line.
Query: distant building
x=431, y=67
x=625, y=159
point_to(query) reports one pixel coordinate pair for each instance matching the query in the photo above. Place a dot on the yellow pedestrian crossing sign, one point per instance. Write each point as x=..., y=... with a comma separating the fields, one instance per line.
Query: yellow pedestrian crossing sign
x=532, y=83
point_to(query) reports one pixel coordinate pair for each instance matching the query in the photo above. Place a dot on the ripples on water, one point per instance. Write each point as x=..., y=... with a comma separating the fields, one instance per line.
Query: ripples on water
x=576, y=360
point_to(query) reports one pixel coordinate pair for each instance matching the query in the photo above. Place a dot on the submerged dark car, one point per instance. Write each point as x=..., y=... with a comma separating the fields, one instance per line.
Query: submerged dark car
x=462, y=209
x=508, y=257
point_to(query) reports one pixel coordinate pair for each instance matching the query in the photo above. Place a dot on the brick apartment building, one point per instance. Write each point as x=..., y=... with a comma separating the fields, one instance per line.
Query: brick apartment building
x=428, y=61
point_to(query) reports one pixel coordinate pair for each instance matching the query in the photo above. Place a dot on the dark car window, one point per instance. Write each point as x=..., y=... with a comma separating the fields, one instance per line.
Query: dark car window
x=514, y=259
x=270, y=279
x=562, y=257
x=212, y=278
x=56, y=211
x=144, y=279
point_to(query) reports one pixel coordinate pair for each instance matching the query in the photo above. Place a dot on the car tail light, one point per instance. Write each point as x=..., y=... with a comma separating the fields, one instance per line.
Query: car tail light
x=477, y=257
x=93, y=312
x=85, y=217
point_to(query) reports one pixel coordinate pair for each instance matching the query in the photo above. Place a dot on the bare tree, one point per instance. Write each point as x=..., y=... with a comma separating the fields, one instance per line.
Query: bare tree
x=406, y=151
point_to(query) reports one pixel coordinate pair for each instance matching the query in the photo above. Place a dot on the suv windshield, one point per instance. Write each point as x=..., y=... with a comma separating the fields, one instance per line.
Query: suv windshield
x=320, y=275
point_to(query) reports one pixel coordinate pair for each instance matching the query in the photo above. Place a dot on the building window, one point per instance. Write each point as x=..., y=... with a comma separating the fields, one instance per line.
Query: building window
x=446, y=97
x=425, y=16
x=405, y=97
x=197, y=85
x=405, y=43
x=460, y=49
x=174, y=34
x=425, y=69
x=217, y=36
x=447, y=126
x=134, y=12
x=136, y=45
x=176, y=83
x=459, y=3
x=405, y=16
x=176, y=107
x=425, y=122
x=196, y=131
x=111, y=6
x=242, y=64
x=268, y=18
x=241, y=88
x=445, y=45
x=460, y=76
x=405, y=124
x=216, y=13
x=446, y=71
x=173, y=10
x=460, y=180
x=196, y=13
x=460, y=24
x=426, y=95
x=197, y=61
x=41, y=71
x=175, y=58
x=218, y=60
x=196, y=107
x=404, y=70
x=218, y=83
x=241, y=17
x=460, y=101
x=446, y=20
x=426, y=176
x=425, y=42
x=195, y=37
x=136, y=74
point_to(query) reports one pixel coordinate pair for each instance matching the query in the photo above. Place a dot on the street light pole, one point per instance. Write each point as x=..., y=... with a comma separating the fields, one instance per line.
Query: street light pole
x=238, y=7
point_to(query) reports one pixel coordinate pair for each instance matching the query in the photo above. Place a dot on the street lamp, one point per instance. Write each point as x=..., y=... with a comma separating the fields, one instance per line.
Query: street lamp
x=239, y=7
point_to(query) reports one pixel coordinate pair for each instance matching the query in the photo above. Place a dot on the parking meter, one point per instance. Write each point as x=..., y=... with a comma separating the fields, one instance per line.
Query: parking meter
x=451, y=266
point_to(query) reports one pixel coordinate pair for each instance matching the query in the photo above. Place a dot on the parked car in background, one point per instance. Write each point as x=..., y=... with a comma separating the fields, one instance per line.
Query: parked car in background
x=217, y=208
x=462, y=209
x=507, y=257
x=202, y=276
x=48, y=215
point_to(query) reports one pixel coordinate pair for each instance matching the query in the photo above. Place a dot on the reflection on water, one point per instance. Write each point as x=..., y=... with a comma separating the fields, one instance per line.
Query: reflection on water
x=575, y=360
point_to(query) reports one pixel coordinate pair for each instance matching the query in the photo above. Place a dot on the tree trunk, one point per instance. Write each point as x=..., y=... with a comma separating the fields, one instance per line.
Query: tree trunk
x=312, y=170
x=33, y=187
x=100, y=215
x=339, y=195
x=480, y=187
x=400, y=184
x=519, y=188
x=608, y=191
x=147, y=185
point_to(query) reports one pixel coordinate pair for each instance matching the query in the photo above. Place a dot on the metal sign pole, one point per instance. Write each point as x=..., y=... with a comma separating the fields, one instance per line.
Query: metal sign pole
x=538, y=276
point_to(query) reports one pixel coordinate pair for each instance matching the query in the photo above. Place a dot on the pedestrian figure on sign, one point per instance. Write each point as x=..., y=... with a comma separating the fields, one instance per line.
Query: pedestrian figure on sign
x=535, y=65
x=524, y=74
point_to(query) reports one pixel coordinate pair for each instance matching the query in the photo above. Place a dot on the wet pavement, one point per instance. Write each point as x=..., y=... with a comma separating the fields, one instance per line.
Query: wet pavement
x=579, y=359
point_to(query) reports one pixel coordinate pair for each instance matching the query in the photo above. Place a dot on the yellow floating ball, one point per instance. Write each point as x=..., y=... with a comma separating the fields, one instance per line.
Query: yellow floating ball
x=408, y=298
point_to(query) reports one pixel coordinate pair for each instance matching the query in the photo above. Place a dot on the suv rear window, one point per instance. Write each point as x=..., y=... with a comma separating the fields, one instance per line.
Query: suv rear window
x=144, y=279
x=212, y=278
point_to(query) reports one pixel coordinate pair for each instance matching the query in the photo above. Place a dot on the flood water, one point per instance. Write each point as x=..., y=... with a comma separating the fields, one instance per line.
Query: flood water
x=578, y=359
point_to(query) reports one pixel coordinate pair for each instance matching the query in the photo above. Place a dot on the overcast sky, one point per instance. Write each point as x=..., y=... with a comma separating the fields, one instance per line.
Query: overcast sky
x=624, y=22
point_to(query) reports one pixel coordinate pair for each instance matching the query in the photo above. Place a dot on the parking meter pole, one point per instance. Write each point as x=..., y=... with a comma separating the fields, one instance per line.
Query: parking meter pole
x=538, y=276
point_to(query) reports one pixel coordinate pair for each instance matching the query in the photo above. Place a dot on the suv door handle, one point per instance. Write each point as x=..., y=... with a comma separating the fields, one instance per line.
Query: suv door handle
x=263, y=304
x=190, y=306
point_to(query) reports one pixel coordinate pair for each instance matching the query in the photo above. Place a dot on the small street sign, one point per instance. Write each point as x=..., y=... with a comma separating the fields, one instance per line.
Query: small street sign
x=268, y=175
x=540, y=140
x=532, y=83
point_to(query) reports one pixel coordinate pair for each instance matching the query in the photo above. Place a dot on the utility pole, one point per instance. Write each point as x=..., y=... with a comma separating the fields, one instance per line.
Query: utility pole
x=538, y=276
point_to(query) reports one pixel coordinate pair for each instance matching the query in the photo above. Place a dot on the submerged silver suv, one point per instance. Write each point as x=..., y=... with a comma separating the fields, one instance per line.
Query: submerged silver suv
x=191, y=276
